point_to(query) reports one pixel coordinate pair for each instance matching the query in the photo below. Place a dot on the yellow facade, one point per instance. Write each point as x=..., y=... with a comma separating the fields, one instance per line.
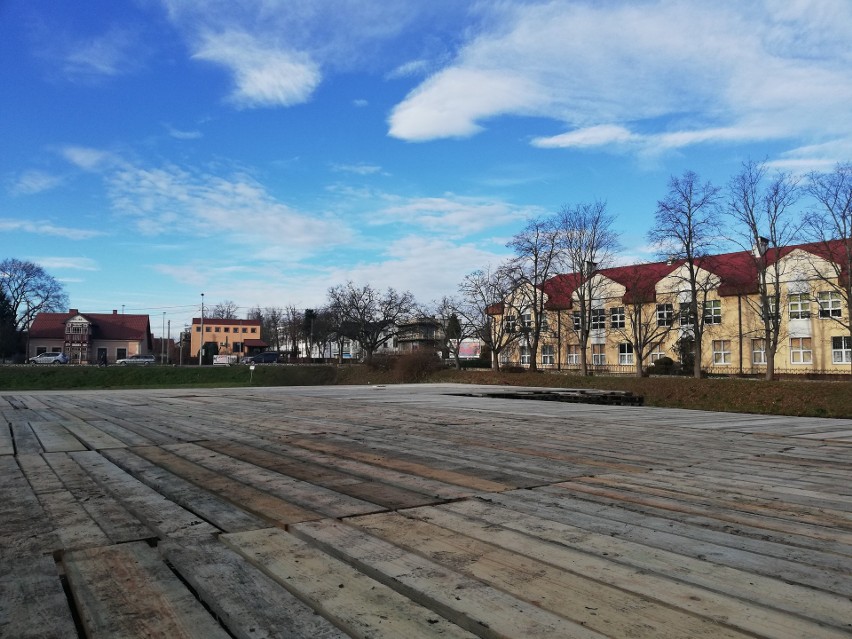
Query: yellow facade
x=229, y=335
x=813, y=338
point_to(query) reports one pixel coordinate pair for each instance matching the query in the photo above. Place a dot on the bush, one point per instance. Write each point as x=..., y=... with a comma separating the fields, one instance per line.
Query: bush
x=663, y=366
x=383, y=362
x=417, y=365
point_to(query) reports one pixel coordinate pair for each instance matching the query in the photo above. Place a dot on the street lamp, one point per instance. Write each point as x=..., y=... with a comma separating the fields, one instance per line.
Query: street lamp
x=163, y=341
x=201, y=347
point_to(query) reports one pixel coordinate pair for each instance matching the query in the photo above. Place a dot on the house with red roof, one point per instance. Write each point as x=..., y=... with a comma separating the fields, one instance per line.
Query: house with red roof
x=640, y=313
x=238, y=337
x=88, y=338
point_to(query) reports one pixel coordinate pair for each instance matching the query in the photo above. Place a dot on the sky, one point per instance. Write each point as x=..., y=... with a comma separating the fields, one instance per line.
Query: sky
x=262, y=152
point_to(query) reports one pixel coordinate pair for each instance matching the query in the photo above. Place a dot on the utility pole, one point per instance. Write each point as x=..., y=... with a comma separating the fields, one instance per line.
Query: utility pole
x=201, y=347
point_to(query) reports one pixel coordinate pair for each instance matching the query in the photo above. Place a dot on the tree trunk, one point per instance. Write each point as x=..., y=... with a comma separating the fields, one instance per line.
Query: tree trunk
x=495, y=361
x=696, y=353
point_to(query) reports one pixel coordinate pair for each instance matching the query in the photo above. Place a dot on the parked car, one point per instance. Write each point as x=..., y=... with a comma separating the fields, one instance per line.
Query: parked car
x=49, y=358
x=267, y=357
x=137, y=360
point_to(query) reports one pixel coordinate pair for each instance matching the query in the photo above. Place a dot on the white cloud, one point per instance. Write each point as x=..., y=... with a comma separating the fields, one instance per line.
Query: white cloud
x=87, y=158
x=360, y=103
x=451, y=215
x=647, y=77
x=44, y=227
x=183, y=135
x=32, y=182
x=264, y=74
x=358, y=169
x=67, y=263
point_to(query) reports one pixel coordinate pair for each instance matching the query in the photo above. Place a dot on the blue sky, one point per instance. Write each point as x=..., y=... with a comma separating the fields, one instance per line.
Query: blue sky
x=262, y=152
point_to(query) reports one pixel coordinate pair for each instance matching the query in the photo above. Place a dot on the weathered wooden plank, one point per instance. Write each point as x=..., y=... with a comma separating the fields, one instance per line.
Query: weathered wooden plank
x=359, y=605
x=7, y=447
x=93, y=437
x=219, y=512
x=127, y=591
x=26, y=442
x=24, y=527
x=262, y=504
x=249, y=604
x=158, y=513
x=761, y=608
x=32, y=601
x=54, y=437
x=294, y=491
x=470, y=604
x=114, y=519
x=597, y=605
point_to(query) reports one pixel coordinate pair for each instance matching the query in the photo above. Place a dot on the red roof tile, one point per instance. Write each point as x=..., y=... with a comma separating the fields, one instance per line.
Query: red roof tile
x=104, y=326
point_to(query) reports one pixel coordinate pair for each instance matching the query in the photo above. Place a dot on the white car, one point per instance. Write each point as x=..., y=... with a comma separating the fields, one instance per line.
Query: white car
x=49, y=358
x=137, y=360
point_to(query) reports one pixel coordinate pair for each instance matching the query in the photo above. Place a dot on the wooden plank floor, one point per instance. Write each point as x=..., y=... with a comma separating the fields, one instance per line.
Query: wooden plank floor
x=416, y=511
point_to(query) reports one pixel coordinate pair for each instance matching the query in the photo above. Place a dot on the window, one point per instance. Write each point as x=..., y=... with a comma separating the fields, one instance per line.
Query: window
x=120, y=353
x=598, y=354
x=772, y=312
x=721, y=352
x=254, y=330
x=800, y=306
x=227, y=330
x=527, y=319
x=216, y=330
x=800, y=350
x=598, y=319
x=616, y=317
x=77, y=329
x=510, y=323
x=575, y=317
x=525, y=354
x=686, y=316
x=841, y=350
x=544, y=324
x=758, y=351
x=625, y=353
x=245, y=330
x=206, y=329
x=665, y=314
x=829, y=303
x=573, y=354
x=197, y=329
x=238, y=347
x=657, y=352
x=547, y=354
x=41, y=349
x=713, y=312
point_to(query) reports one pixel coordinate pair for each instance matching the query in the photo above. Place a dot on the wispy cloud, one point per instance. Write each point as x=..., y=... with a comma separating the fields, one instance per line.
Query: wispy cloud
x=116, y=52
x=647, y=78
x=67, y=263
x=452, y=215
x=87, y=158
x=183, y=135
x=32, y=182
x=264, y=74
x=357, y=169
x=45, y=227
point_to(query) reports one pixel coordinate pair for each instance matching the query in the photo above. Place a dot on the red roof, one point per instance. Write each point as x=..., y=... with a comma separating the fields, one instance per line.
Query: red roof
x=737, y=272
x=112, y=326
x=255, y=342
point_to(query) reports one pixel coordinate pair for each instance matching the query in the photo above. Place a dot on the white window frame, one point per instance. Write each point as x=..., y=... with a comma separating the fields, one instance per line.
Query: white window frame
x=527, y=318
x=510, y=323
x=525, y=353
x=665, y=314
x=616, y=317
x=599, y=354
x=799, y=305
x=841, y=349
x=597, y=319
x=758, y=351
x=576, y=320
x=801, y=351
x=572, y=354
x=548, y=354
x=685, y=316
x=713, y=312
x=625, y=354
x=829, y=304
x=657, y=352
x=721, y=352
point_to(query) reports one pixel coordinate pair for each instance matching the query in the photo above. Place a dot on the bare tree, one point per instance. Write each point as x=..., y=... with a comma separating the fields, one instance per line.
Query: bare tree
x=271, y=319
x=224, y=310
x=294, y=318
x=687, y=228
x=483, y=294
x=830, y=227
x=454, y=331
x=369, y=316
x=760, y=206
x=587, y=242
x=29, y=291
x=536, y=252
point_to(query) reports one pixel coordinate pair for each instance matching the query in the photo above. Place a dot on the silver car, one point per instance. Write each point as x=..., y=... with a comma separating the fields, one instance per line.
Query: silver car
x=136, y=360
x=49, y=358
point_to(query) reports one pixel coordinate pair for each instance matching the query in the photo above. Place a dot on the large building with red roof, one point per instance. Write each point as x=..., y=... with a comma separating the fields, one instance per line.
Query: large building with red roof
x=814, y=335
x=87, y=338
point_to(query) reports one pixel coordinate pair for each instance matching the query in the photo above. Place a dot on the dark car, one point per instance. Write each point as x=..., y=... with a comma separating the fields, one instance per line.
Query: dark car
x=268, y=357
